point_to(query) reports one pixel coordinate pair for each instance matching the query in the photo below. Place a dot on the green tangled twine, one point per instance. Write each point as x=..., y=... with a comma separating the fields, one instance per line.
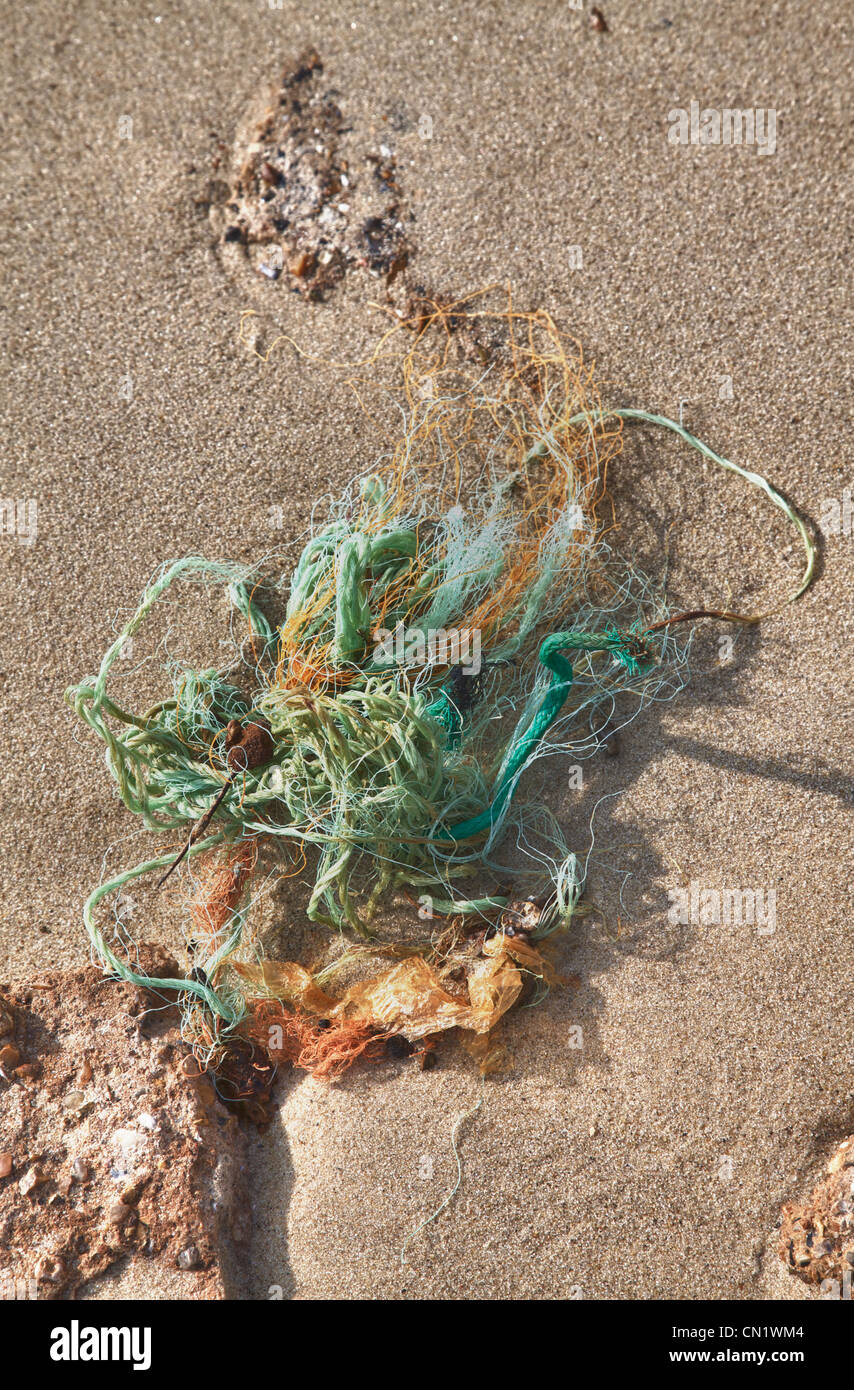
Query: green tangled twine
x=381, y=773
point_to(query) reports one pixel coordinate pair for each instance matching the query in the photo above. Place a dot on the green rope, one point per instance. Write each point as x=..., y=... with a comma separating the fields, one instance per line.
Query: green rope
x=549, y=709
x=756, y=479
x=386, y=781
x=561, y=669
x=121, y=968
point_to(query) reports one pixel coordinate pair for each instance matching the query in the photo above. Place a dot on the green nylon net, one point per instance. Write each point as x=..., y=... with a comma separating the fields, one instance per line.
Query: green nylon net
x=456, y=615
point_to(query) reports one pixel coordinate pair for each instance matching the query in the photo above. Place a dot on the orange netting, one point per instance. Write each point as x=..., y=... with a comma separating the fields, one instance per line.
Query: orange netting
x=219, y=886
x=303, y=1024
x=311, y=1044
x=537, y=382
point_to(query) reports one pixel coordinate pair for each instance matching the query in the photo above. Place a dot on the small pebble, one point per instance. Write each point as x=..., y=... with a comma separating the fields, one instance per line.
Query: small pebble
x=119, y=1213
x=301, y=265
x=205, y=1092
x=520, y=916
x=5, y=1165
x=74, y=1100
x=598, y=20
x=129, y=1142
x=189, y=1258
x=32, y=1179
x=80, y=1170
x=843, y=1158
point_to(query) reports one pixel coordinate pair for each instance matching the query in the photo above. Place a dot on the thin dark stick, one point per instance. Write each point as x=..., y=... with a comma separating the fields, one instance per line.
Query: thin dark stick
x=699, y=613
x=196, y=833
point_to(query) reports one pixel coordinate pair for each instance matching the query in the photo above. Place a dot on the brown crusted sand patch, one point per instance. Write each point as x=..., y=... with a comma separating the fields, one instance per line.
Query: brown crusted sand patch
x=111, y=1143
x=311, y=199
x=817, y=1236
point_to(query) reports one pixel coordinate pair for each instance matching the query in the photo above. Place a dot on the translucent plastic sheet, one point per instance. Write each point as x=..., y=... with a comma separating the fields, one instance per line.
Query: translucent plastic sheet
x=410, y=998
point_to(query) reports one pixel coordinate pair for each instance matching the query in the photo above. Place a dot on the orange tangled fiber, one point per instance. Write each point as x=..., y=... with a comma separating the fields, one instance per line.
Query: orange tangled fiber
x=539, y=398
x=326, y=1050
x=218, y=890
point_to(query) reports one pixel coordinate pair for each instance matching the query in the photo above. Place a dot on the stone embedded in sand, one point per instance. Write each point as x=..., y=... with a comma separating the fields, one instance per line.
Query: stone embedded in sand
x=309, y=200
x=32, y=1179
x=120, y=1212
x=817, y=1236
x=150, y=1169
x=520, y=917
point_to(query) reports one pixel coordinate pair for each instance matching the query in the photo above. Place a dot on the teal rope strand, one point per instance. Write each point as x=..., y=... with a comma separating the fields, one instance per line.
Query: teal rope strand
x=550, y=650
x=550, y=706
x=109, y=958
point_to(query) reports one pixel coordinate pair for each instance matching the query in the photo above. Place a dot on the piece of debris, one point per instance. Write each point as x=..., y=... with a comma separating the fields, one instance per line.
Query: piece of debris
x=598, y=20
x=189, y=1258
x=310, y=199
x=32, y=1179
x=817, y=1236
x=385, y=1014
x=149, y=1166
x=520, y=917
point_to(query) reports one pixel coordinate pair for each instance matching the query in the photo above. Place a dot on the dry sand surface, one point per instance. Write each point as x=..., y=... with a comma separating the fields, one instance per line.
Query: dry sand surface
x=715, y=1072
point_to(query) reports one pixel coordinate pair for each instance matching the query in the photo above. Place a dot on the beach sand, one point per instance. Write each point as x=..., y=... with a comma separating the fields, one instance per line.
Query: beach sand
x=715, y=1072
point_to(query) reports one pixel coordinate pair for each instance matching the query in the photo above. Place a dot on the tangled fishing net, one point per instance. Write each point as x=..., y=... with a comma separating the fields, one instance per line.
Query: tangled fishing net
x=456, y=615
